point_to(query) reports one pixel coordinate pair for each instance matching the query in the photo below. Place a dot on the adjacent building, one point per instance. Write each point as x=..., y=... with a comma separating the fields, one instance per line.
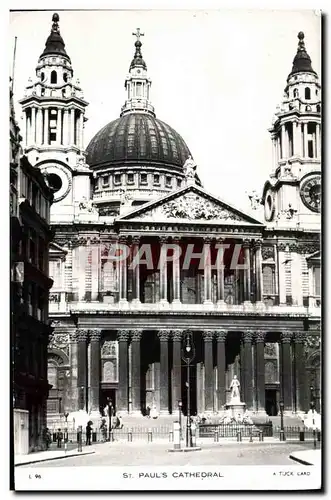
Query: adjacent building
x=119, y=327
x=30, y=201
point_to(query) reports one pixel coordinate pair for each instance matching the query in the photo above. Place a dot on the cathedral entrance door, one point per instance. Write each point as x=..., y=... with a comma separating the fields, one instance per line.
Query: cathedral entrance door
x=192, y=388
x=271, y=402
x=105, y=394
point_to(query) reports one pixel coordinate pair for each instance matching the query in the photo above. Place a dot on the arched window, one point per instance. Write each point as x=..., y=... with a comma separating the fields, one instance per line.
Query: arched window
x=307, y=93
x=295, y=93
x=318, y=108
x=53, y=77
x=42, y=76
x=65, y=77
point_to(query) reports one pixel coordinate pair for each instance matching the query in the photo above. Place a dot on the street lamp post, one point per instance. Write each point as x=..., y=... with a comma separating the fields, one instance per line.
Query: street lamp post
x=188, y=353
x=66, y=415
x=180, y=404
x=282, y=433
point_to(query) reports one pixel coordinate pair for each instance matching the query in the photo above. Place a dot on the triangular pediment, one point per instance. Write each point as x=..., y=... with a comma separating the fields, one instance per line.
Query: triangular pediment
x=193, y=204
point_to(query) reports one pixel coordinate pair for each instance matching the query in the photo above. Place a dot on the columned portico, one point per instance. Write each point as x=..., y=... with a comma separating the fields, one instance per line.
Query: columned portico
x=136, y=370
x=164, y=336
x=95, y=336
x=286, y=339
x=260, y=370
x=123, y=378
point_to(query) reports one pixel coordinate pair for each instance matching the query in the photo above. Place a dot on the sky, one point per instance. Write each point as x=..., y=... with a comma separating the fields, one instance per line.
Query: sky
x=217, y=77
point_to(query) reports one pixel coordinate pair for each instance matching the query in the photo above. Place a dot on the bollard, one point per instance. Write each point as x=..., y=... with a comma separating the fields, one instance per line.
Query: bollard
x=261, y=437
x=79, y=437
x=150, y=435
x=130, y=435
x=239, y=436
x=250, y=436
x=301, y=435
x=171, y=436
x=111, y=436
x=282, y=436
x=176, y=436
x=216, y=436
x=193, y=434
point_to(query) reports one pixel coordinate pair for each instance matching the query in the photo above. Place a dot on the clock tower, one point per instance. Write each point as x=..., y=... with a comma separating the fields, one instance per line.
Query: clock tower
x=292, y=195
x=54, y=116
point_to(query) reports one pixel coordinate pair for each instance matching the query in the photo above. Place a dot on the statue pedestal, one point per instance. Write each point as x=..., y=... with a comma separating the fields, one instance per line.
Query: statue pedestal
x=237, y=408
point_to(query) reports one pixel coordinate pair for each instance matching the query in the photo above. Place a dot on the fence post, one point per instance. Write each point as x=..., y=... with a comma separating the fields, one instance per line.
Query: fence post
x=193, y=434
x=129, y=435
x=176, y=435
x=216, y=436
x=239, y=436
x=261, y=437
x=250, y=435
x=150, y=436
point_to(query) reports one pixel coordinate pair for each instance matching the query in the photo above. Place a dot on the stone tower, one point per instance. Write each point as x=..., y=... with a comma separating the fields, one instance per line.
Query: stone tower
x=292, y=195
x=54, y=116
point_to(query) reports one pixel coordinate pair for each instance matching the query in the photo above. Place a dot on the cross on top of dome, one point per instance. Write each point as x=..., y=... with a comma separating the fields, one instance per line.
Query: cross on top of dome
x=138, y=34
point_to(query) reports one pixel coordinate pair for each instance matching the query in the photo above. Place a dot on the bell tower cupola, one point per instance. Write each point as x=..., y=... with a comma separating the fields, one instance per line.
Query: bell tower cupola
x=137, y=84
x=292, y=196
x=54, y=115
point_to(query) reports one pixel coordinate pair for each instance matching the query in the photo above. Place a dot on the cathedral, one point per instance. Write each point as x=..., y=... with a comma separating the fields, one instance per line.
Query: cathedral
x=121, y=303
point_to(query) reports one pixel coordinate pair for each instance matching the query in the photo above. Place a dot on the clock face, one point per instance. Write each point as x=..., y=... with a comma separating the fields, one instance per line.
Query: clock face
x=269, y=206
x=310, y=193
x=58, y=180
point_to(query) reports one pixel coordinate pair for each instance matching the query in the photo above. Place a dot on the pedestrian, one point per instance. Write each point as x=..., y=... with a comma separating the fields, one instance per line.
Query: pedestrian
x=59, y=437
x=88, y=433
x=47, y=438
x=104, y=430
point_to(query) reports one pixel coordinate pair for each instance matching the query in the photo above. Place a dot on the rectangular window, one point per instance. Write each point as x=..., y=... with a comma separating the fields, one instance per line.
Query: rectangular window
x=130, y=178
x=139, y=89
x=117, y=179
x=143, y=178
x=179, y=182
x=168, y=181
x=156, y=179
x=105, y=180
x=269, y=287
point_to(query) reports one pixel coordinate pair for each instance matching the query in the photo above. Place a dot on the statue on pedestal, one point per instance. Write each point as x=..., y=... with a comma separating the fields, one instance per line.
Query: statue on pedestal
x=189, y=168
x=234, y=387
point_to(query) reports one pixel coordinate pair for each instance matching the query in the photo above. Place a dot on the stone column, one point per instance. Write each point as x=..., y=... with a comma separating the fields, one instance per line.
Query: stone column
x=247, y=271
x=72, y=127
x=260, y=370
x=81, y=130
x=59, y=127
x=220, y=272
x=65, y=127
x=136, y=371
x=135, y=271
x=163, y=270
x=123, y=276
x=123, y=371
x=300, y=372
x=177, y=368
x=221, y=368
x=284, y=145
x=46, y=127
x=82, y=336
x=248, y=369
x=33, y=125
x=95, y=337
x=305, y=140
x=207, y=271
x=286, y=368
x=39, y=134
x=164, y=371
x=258, y=270
x=274, y=153
x=318, y=140
x=176, y=276
x=209, y=371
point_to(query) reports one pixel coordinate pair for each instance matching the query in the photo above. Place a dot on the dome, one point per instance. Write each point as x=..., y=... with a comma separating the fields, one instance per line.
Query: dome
x=137, y=138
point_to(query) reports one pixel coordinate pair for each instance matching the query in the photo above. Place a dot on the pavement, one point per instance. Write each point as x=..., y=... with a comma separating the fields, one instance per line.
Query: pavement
x=271, y=452
x=307, y=457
